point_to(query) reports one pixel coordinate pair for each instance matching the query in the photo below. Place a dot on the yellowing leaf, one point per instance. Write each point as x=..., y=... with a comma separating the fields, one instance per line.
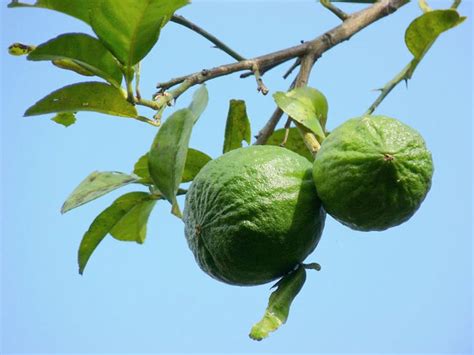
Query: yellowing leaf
x=424, y=30
x=95, y=185
x=305, y=105
x=64, y=118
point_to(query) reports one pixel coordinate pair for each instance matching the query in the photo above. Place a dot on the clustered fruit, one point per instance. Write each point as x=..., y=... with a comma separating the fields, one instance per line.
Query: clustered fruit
x=255, y=213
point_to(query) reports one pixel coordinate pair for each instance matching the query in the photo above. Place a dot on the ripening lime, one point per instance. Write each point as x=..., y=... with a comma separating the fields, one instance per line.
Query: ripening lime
x=373, y=172
x=253, y=214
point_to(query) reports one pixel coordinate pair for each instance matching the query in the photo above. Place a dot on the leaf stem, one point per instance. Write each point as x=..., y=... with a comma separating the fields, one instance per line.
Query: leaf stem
x=423, y=4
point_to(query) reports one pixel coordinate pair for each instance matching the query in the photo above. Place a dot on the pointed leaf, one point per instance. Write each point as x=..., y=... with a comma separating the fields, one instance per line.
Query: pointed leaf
x=75, y=8
x=130, y=28
x=95, y=185
x=199, y=103
x=105, y=222
x=84, y=50
x=305, y=105
x=89, y=96
x=279, y=304
x=65, y=118
x=294, y=142
x=132, y=226
x=424, y=30
x=195, y=161
x=237, y=128
x=167, y=156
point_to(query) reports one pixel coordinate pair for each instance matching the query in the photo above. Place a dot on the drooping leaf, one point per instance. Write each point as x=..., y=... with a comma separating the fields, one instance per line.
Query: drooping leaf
x=19, y=49
x=199, y=103
x=106, y=221
x=305, y=105
x=237, y=127
x=83, y=50
x=279, y=304
x=423, y=31
x=167, y=156
x=95, y=185
x=130, y=28
x=89, y=96
x=195, y=161
x=294, y=142
x=75, y=8
x=132, y=227
x=65, y=118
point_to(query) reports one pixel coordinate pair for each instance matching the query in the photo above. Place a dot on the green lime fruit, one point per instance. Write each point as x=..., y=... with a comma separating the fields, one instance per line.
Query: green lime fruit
x=253, y=214
x=372, y=173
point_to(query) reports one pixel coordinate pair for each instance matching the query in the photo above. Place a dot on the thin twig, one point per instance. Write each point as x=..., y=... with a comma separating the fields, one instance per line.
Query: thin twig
x=287, y=132
x=260, y=84
x=293, y=67
x=455, y=4
x=213, y=39
x=334, y=9
x=317, y=46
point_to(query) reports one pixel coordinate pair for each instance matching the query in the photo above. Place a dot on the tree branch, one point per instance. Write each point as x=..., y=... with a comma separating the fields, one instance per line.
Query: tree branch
x=353, y=24
x=213, y=39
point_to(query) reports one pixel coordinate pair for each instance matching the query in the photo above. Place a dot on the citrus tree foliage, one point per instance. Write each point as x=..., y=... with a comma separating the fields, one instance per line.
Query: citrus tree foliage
x=125, y=32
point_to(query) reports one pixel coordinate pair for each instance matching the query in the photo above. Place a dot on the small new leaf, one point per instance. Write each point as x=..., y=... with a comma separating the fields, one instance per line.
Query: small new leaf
x=88, y=96
x=95, y=185
x=111, y=217
x=305, y=105
x=65, y=118
x=279, y=304
x=19, y=49
x=237, y=128
x=294, y=142
x=424, y=30
x=167, y=155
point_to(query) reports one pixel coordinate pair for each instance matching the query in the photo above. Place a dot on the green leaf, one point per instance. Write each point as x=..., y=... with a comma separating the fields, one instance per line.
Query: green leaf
x=279, y=304
x=294, y=142
x=423, y=31
x=105, y=222
x=84, y=50
x=89, y=96
x=305, y=105
x=130, y=28
x=75, y=8
x=195, y=161
x=65, y=118
x=167, y=156
x=141, y=169
x=132, y=227
x=237, y=128
x=95, y=185
x=199, y=102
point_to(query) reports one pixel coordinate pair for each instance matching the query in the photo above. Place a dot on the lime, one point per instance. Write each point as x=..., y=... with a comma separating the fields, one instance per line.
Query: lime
x=373, y=172
x=253, y=214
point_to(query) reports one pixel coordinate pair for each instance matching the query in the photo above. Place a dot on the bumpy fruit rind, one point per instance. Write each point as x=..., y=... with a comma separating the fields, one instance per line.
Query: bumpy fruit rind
x=373, y=172
x=253, y=214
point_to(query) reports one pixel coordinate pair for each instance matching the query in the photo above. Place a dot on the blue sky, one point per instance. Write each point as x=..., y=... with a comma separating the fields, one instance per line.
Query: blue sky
x=408, y=289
